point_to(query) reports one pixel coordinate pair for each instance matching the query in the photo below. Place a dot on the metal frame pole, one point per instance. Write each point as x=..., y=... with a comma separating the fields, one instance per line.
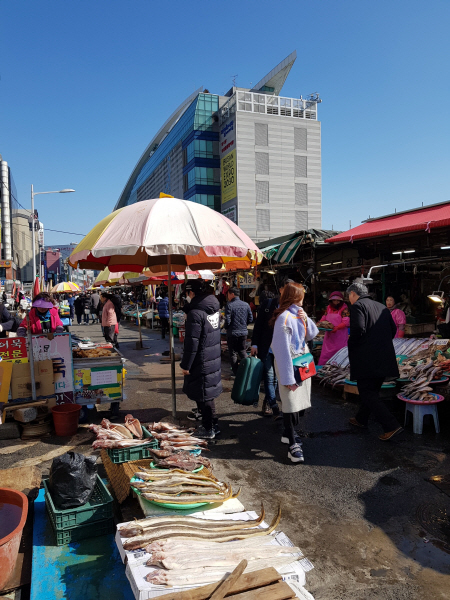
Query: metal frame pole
x=172, y=344
x=32, y=234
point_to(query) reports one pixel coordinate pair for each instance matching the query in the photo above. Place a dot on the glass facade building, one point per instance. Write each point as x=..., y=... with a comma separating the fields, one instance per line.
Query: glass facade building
x=251, y=154
x=185, y=161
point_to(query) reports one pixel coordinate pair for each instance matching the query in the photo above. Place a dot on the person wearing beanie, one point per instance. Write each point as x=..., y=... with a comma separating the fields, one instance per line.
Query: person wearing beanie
x=338, y=315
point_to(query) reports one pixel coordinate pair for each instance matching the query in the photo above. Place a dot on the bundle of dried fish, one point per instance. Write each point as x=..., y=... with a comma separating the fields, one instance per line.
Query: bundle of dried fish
x=333, y=375
x=238, y=532
x=171, y=436
x=143, y=526
x=420, y=378
x=115, y=435
x=183, y=460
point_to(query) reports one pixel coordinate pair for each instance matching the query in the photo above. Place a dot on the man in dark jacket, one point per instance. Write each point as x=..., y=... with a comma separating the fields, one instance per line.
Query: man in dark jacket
x=372, y=357
x=238, y=315
x=7, y=322
x=201, y=362
x=163, y=313
x=261, y=342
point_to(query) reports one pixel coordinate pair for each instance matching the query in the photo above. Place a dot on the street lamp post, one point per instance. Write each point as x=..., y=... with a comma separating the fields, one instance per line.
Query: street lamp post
x=33, y=194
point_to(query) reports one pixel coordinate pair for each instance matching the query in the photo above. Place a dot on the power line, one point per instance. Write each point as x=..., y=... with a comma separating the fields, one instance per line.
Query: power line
x=68, y=232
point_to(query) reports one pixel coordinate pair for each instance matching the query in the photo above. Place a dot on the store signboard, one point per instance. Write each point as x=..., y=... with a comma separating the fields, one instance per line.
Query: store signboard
x=230, y=213
x=59, y=351
x=228, y=169
x=248, y=281
x=228, y=177
x=14, y=349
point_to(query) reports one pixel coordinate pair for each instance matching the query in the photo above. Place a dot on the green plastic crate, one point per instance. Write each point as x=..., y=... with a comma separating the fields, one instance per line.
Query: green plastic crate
x=81, y=532
x=121, y=455
x=98, y=508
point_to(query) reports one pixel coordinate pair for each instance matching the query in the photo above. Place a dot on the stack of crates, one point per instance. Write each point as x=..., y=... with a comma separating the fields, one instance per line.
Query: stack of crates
x=93, y=519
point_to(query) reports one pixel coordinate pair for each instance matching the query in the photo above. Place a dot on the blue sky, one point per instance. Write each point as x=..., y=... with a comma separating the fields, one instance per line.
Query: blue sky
x=85, y=85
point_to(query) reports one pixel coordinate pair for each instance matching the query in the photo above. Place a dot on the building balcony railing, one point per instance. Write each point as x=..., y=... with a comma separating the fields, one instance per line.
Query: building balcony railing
x=269, y=105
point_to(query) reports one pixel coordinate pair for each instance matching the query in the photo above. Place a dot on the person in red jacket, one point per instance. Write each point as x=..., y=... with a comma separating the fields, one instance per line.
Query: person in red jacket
x=43, y=316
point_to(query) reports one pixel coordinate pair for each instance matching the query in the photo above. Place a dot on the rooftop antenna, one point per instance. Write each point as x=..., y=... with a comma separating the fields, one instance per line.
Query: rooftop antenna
x=233, y=79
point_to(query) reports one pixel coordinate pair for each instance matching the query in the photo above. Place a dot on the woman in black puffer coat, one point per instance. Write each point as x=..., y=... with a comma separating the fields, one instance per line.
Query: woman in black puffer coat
x=202, y=363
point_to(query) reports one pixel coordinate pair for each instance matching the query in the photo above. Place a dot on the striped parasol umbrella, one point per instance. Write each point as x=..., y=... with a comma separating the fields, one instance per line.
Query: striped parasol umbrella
x=65, y=286
x=164, y=235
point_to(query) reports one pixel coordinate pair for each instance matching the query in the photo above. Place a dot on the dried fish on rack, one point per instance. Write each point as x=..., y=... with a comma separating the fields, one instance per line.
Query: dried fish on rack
x=418, y=389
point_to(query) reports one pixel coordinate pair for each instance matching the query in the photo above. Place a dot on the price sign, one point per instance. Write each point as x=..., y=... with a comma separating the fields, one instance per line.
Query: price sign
x=103, y=377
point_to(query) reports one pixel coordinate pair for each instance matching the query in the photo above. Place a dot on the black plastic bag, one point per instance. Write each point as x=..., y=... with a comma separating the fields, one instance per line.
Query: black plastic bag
x=72, y=479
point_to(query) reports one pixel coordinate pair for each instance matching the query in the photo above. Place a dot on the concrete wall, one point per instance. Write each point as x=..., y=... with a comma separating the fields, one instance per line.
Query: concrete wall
x=287, y=212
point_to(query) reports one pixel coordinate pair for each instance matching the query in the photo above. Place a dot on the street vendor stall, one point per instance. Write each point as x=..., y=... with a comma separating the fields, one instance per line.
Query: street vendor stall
x=99, y=374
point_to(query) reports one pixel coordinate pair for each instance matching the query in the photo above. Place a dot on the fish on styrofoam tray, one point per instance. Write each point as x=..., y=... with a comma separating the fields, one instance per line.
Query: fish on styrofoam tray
x=136, y=569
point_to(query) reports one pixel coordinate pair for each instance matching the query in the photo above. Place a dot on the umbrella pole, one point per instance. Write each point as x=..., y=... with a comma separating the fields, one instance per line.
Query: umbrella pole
x=172, y=345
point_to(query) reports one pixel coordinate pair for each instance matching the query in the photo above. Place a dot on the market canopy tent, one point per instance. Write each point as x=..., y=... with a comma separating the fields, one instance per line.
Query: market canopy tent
x=420, y=219
x=164, y=235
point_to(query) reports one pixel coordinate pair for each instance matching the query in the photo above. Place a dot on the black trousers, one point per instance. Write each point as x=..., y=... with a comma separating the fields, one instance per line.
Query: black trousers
x=236, y=348
x=291, y=421
x=371, y=403
x=208, y=411
x=110, y=335
x=164, y=326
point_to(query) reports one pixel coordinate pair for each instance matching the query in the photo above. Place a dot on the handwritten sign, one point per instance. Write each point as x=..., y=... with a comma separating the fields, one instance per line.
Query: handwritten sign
x=103, y=377
x=59, y=351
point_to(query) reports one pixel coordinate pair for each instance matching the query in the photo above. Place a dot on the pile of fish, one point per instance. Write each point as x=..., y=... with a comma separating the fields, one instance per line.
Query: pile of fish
x=155, y=529
x=174, y=439
x=333, y=374
x=114, y=435
x=190, y=550
x=181, y=487
x=421, y=376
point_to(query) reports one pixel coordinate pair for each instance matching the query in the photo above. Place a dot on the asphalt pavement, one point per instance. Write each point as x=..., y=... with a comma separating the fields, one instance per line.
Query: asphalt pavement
x=364, y=512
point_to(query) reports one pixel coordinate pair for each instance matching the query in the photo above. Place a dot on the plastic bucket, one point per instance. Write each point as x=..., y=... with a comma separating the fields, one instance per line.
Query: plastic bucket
x=65, y=419
x=9, y=543
x=181, y=334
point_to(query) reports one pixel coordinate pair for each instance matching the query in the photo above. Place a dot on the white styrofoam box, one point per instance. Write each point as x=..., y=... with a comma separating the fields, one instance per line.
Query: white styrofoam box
x=136, y=569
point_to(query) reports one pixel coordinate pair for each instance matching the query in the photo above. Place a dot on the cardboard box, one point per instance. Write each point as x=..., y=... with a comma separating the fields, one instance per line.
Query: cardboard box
x=21, y=379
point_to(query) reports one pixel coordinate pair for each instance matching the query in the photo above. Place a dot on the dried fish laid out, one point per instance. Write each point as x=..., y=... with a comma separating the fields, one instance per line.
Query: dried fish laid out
x=181, y=488
x=418, y=388
x=175, y=438
x=333, y=375
x=141, y=527
x=183, y=460
x=115, y=435
x=203, y=530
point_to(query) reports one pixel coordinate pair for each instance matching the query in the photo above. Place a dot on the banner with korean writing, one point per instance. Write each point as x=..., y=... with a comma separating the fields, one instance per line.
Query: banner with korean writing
x=59, y=351
x=228, y=173
x=14, y=349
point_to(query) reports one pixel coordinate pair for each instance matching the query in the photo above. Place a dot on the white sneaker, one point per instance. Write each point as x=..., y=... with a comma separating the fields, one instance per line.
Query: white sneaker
x=296, y=453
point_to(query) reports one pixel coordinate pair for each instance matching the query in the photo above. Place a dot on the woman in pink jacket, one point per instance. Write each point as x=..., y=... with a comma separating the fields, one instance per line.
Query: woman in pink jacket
x=109, y=319
x=338, y=315
x=398, y=316
x=43, y=317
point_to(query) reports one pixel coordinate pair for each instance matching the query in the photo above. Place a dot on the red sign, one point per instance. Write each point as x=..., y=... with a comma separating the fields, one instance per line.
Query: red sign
x=14, y=349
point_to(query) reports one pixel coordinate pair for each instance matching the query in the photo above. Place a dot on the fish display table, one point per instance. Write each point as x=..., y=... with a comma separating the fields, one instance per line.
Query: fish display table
x=88, y=569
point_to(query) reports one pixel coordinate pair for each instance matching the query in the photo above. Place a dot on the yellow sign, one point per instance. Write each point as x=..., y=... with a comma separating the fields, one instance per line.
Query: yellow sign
x=229, y=180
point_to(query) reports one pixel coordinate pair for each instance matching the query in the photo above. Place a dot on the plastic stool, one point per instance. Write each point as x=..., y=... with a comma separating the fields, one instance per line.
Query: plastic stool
x=418, y=412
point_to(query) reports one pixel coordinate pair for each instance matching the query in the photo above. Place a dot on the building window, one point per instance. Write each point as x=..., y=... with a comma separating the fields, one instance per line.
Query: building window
x=204, y=176
x=262, y=163
x=301, y=194
x=191, y=178
x=262, y=192
x=261, y=134
x=300, y=138
x=263, y=220
x=2, y=272
x=301, y=220
x=300, y=166
x=207, y=200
